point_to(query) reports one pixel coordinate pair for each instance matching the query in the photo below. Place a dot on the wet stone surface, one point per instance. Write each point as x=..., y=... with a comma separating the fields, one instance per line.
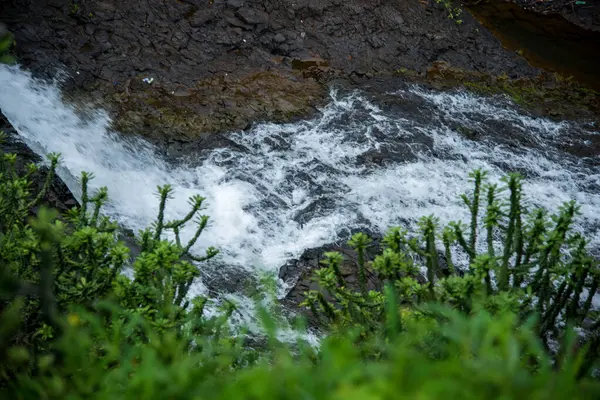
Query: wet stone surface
x=219, y=66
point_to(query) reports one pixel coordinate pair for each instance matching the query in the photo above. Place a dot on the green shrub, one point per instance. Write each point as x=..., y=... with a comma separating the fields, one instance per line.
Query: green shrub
x=48, y=264
x=448, y=355
x=453, y=12
x=542, y=268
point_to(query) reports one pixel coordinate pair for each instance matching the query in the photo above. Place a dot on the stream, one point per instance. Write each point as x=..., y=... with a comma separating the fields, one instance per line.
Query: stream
x=368, y=160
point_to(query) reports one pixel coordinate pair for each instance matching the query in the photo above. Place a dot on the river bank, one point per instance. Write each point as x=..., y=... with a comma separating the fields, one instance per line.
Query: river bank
x=220, y=66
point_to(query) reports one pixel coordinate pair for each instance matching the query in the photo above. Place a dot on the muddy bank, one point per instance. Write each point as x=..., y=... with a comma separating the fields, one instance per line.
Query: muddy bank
x=545, y=95
x=230, y=63
x=214, y=105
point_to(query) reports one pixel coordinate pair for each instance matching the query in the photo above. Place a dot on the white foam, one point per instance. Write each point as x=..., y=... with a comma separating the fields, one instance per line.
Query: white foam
x=460, y=105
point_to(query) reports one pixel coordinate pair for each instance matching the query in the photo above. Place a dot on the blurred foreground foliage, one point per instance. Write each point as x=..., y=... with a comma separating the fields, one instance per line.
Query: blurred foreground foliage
x=83, y=318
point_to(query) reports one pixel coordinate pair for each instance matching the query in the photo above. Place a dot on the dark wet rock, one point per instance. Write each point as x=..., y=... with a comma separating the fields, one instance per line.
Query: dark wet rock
x=253, y=16
x=235, y=3
x=279, y=38
x=299, y=272
x=585, y=15
x=108, y=47
x=392, y=154
x=583, y=144
x=236, y=22
x=201, y=17
x=221, y=279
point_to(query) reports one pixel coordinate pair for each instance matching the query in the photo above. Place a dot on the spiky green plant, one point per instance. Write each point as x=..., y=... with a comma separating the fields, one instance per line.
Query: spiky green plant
x=513, y=243
x=359, y=242
x=66, y=333
x=78, y=258
x=550, y=267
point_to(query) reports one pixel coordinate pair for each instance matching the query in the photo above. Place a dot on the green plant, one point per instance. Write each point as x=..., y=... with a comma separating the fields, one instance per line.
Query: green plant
x=74, y=9
x=453, y=12
x=360, y=241
x=540, y=270
x=473, y=357
x=50, y=263
x=111, y=337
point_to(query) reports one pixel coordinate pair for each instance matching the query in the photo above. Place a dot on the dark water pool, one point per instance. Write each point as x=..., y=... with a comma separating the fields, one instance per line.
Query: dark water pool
x=546, y=41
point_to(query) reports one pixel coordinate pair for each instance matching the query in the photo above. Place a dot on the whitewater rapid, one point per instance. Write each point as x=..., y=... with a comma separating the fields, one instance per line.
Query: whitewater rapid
x=289, y=187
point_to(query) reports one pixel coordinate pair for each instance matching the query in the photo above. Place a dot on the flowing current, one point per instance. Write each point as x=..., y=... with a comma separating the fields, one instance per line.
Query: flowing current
x=364, y=162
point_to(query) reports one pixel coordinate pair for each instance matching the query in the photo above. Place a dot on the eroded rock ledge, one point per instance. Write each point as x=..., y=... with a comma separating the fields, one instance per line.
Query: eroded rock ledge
x=219, y=65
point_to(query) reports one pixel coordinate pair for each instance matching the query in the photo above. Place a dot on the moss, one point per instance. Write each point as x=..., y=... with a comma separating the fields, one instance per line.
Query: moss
x=214, y=105
x=547, y=94
x=221, y=104
x=406, y=72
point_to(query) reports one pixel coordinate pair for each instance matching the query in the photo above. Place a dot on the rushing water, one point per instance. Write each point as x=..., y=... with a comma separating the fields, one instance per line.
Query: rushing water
x=364, y=162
